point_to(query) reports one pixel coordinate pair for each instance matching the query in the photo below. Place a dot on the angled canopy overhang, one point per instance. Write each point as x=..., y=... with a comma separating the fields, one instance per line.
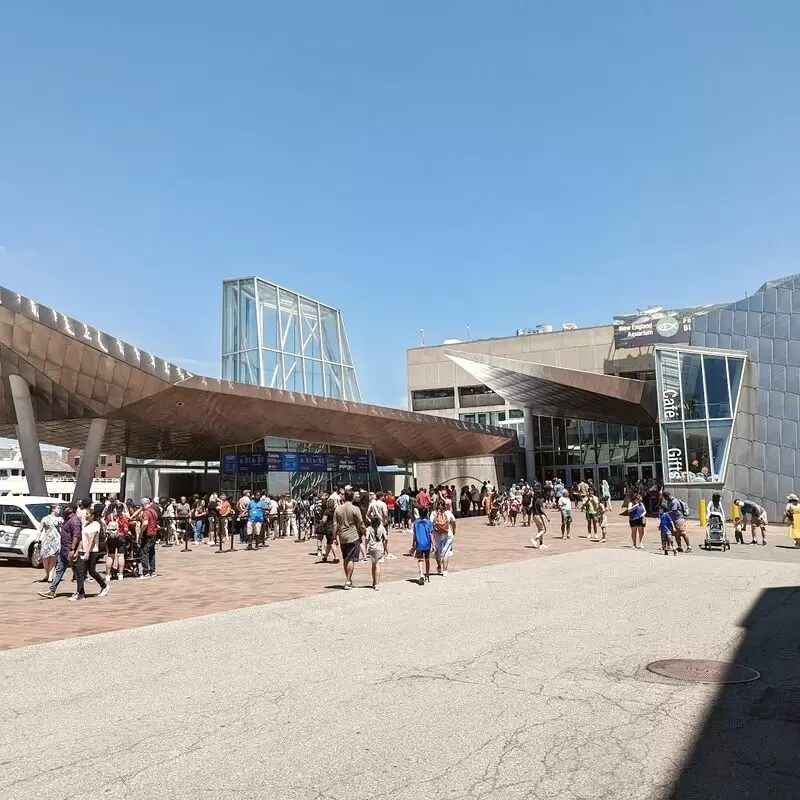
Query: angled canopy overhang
x=560, y=392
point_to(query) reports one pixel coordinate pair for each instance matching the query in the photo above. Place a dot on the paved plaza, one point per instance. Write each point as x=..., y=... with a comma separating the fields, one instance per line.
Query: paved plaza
x=514, y=680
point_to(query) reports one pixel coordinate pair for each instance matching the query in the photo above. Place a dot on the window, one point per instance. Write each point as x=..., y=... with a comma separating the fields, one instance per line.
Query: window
x=515, y=413
x=468, y=417
x=103, y=460
x=117, y=459
x=15, y=517
x=102, y=473
x=472, y=396
x=697, y=397
x=76, y=461
x=433, y=399
x=3, y=473
x=15, y=472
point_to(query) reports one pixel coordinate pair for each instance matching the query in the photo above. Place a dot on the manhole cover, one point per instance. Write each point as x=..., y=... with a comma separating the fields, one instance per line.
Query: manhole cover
x=699, y=670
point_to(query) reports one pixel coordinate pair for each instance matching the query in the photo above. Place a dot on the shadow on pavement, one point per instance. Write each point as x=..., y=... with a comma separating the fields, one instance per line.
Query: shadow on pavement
x=749, y=746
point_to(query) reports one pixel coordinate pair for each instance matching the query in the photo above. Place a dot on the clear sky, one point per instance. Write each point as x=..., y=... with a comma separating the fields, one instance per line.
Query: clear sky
x=437, y=164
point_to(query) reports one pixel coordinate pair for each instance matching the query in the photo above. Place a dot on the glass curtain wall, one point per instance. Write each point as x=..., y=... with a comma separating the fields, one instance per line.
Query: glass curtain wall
x=281, y=340
x=698, y=393
x=574, y=449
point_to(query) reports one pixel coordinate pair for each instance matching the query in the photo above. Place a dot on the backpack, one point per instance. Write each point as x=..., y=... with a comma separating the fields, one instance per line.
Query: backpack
x=684, y=508
x=422, y=535
x=440, y=522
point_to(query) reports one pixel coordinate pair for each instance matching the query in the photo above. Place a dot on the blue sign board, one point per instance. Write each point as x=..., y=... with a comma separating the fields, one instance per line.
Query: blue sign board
x=274, y=462
x=294, y=462
x=290, y=462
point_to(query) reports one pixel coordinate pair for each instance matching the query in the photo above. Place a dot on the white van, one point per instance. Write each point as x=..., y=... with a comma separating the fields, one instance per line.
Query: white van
x=20, y=528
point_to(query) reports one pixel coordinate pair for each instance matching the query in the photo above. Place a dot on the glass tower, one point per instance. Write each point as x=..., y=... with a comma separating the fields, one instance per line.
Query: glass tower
x=279, y=339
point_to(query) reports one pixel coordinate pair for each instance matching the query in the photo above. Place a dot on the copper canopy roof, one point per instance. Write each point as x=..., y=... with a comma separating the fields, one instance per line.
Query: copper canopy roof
x=158, y=410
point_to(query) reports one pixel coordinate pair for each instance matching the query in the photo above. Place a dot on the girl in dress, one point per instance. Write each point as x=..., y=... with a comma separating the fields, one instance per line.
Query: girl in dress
x=50, y=543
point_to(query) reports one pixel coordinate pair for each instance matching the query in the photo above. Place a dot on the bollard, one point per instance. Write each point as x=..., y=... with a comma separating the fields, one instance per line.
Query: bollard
x=703, y=520
x=735, y=512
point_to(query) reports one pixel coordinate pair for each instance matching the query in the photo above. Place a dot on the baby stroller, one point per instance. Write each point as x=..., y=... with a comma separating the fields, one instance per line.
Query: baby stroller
x=494, y=511
x=132, y=561
x=716, y=535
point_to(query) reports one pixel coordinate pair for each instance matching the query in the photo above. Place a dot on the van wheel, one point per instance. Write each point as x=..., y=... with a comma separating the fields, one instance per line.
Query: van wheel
x=35, y=555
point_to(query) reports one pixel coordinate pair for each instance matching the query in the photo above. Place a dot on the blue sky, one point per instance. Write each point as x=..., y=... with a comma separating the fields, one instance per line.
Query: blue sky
x=418, y=164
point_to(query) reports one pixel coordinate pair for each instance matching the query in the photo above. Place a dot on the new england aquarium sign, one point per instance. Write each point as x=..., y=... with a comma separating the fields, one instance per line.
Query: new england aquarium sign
x=656, y=326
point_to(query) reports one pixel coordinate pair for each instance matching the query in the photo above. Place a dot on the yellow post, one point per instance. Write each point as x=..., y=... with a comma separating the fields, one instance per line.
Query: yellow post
x=702, y=512
x=735, y=512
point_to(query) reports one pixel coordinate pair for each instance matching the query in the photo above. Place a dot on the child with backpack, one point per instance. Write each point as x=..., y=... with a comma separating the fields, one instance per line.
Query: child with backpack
x=513, y=510
x=423, y=530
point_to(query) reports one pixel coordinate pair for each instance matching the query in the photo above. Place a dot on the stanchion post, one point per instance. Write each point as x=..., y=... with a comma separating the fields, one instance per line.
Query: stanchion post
x=703, y=520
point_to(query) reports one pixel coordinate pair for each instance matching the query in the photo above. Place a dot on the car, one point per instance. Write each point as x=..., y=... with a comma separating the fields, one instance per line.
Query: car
x=20, y=526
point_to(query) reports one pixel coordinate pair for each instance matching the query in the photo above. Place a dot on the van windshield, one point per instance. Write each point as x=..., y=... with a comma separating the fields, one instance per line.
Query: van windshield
x=39, y=510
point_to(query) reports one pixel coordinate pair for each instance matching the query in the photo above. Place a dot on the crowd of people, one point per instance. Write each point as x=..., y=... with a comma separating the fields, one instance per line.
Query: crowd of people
x=353, y=525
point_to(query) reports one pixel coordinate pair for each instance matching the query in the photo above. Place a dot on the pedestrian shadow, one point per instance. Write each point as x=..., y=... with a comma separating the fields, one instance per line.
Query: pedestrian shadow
x=750, y=740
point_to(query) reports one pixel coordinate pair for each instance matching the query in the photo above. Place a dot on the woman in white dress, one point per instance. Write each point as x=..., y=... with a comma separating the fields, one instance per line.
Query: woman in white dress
x=50, y=542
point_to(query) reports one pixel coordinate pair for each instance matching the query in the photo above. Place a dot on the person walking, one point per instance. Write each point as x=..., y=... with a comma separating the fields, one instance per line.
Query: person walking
x=539, y=516
x=256, y=510
x=422, y=532
x=636, y=521
x=444, y=529
x=678, y=510
x=70, y=532
x=605, y=489
x=50, y=542
x=376, y=537
x=565, y=507
x=348, y=528
x=590, y=508
x=85, y=557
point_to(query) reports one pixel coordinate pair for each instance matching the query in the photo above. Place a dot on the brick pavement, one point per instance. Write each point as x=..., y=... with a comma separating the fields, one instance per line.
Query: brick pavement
x=204, y=582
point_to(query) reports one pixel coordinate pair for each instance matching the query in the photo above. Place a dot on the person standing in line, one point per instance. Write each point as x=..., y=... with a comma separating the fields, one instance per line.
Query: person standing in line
x=565, y=507
x=169, y=516
x=243, y=515
x=403, y=501
x=85, y=557
x=50, y=542
x=590, y=508
x=527, y=507
x=147, y=548
x=423, y=530
x=636, y=521
x=318, y=517
x=348, y=527
x=376, y=537
x=330, y=507
x=290, y=518
x=758, y=519
x=677, y=510
x=116, y=541
x=391, y=506
x=539, y=517
x=183, y=511
x=273, y=518
x=256, y=509
x=444, y=529
x=792, y=514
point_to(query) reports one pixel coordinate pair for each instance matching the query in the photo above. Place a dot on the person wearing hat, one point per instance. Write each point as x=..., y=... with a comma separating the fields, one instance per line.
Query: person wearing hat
x=792, y=514
x=758, y=519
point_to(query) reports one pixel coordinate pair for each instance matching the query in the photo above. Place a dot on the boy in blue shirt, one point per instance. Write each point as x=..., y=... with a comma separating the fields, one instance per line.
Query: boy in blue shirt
x=667, y=528
x=423, y=533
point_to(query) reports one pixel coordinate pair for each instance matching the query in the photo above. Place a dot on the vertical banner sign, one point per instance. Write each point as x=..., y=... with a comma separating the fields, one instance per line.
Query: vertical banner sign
x=230, y=464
